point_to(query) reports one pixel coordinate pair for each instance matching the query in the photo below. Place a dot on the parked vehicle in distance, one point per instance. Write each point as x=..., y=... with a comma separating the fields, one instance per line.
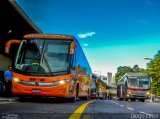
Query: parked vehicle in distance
x=111, y=93
x=93, y=94
x=98, y=87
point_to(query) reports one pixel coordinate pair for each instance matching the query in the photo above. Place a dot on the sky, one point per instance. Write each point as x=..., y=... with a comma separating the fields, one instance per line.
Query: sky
x=112, y=33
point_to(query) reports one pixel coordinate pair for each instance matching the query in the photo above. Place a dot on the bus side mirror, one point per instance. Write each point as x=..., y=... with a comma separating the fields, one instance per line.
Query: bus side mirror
x=125, y=83
x=9, y=43
x=72, y=48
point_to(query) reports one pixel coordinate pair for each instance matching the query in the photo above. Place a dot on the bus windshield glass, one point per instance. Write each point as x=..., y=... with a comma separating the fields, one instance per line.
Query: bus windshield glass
x=139, y=81
x=43, y=57
x=144, y=82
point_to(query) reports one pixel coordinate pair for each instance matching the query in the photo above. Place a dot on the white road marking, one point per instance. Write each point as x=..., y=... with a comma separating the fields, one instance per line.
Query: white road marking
x=146, y=113
x=142, y=112
x=130, y=108
x=122, y=105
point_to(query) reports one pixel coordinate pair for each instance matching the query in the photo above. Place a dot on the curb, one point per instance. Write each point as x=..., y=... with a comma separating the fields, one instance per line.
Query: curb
x=11, y=99
x=4, y=100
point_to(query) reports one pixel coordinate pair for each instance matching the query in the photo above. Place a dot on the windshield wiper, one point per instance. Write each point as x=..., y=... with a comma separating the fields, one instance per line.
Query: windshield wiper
x=50, y=71
x=42, y=54
x=60, y=72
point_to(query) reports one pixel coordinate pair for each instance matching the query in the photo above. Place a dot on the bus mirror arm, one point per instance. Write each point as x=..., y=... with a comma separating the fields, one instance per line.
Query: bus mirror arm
x=72, y=48
x=126, y=84
x=9, y=43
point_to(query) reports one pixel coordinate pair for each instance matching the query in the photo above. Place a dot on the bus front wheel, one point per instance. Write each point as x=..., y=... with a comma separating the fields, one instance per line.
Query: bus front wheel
x=142, y=100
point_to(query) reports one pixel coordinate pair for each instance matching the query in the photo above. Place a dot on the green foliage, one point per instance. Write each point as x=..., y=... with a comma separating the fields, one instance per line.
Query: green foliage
x=153, y=69
x=121, y=70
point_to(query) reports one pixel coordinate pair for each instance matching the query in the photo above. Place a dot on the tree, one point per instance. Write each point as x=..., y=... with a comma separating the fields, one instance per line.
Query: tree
x=153, y=69
x=121, y=70
x=136, y=68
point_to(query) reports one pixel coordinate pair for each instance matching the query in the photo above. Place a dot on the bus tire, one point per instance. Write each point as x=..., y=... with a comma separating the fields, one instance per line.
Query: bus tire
x=120, y=99
x=125, y=99
x=142, y=100
x=133, y=99
x=21, y=98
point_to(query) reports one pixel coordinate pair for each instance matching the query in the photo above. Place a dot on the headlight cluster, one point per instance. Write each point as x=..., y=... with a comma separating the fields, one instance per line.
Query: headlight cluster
x=148, y=93
x=16, y=80
x=129, y=92
x=62, y=81
x=42, y=83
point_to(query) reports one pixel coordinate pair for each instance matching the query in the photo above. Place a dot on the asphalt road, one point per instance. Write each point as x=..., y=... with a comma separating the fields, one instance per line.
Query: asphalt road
x=49, y=108
x=115, y=109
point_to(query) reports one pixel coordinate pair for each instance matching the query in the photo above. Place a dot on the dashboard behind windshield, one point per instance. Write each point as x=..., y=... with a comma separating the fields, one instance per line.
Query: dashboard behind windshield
x=45, y=57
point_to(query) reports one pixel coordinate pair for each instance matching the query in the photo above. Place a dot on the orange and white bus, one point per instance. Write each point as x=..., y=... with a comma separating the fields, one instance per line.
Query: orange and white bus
x=51, y=65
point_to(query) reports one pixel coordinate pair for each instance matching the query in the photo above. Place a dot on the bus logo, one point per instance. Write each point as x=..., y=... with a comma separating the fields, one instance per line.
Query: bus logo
x=36, y=84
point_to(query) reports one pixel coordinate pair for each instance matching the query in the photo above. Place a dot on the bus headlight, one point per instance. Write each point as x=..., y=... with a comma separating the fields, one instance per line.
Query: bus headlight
x=63, y=81
x=16, y=80
x=129, y=92
x=148, y=93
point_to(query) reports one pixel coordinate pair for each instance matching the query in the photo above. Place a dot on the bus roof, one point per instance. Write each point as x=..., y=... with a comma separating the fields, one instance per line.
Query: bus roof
x=49, y=36
x=136, y=74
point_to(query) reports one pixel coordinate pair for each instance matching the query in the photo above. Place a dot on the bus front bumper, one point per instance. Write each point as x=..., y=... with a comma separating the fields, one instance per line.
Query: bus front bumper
x=52, y=91
x=138, y=96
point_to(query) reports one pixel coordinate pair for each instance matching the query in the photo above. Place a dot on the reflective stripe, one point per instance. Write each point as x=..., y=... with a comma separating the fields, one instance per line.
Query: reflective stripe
x=39, y=84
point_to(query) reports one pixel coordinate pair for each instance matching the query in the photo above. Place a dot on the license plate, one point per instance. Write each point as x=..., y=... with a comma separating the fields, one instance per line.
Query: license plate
x=36, y=91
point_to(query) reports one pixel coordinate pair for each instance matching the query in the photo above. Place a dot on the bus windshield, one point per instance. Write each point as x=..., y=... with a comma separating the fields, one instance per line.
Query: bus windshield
x=144, y=82
x=43, y=57
x=138, y=81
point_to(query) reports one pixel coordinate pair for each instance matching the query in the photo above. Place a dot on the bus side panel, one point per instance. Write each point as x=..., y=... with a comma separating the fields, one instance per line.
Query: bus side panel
x=83, y=71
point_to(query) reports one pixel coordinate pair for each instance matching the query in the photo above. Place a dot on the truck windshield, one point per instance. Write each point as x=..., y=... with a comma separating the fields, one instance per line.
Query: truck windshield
x=43, y=57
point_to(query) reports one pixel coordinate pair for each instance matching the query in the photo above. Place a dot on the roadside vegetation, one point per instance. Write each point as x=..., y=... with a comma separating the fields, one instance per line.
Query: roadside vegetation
x=153, y=70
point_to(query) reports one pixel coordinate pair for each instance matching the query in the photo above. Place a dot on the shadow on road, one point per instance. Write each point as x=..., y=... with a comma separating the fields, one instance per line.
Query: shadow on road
x=47, y=100
x=43, y=100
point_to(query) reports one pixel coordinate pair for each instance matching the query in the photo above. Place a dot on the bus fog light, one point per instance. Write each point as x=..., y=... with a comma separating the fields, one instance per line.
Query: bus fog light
x=64, y=90
x=127, y=95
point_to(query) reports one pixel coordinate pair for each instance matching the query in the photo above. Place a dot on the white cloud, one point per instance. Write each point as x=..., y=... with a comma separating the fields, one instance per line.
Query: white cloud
x=85, y=44
x=85, y=35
